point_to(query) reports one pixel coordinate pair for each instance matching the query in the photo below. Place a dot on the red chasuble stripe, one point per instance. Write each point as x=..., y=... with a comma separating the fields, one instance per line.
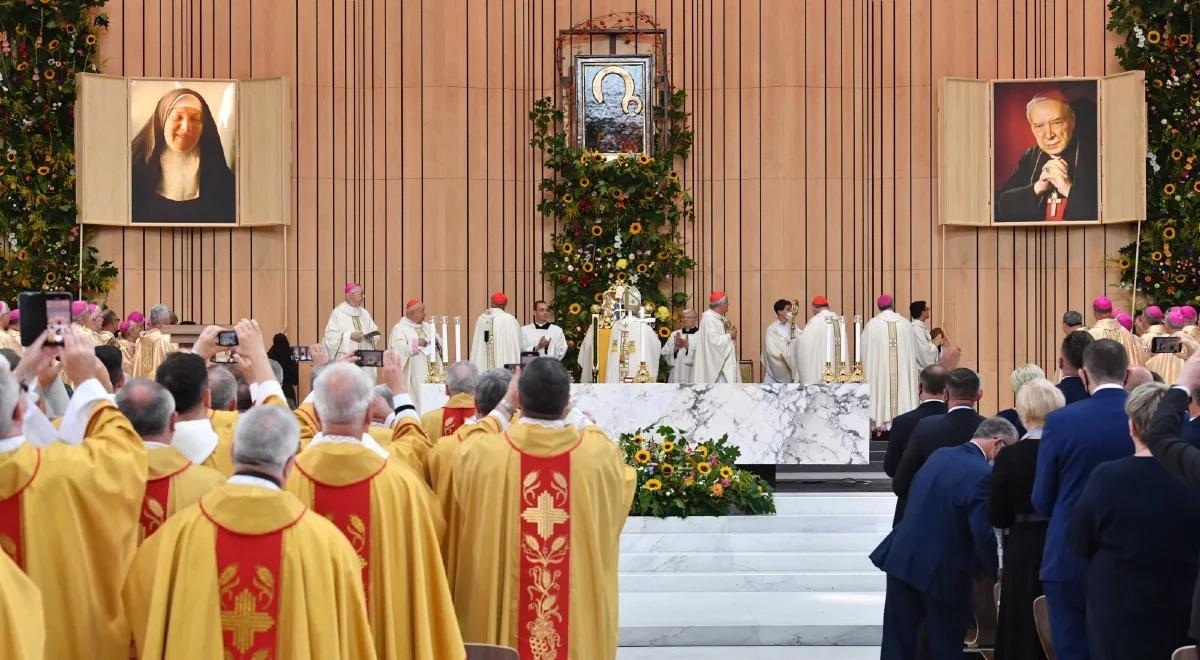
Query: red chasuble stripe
x=156, y=504
x=544, y=593
x=453, y=418
x=12, y=541
x=248, y=570
x=349, y=509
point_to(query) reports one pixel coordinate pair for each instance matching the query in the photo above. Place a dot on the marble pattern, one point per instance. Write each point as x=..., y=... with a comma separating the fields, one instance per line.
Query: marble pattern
x=771, y=424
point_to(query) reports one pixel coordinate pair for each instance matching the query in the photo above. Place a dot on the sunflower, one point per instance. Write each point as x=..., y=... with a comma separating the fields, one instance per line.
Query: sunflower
x=664, y=332
x=575, y=308
x=667, y=445
x=584, y=182
x=726, y=472
x=568, y=198
x=588, y=267
x=597, y=230
x=674, y=176
x=1156, y=256
x=53, y=44
x=635, y=228
x=642, y=456
x=1169, y=189
x=1176, y=154
x=717, y=490
x=1180, y=279
x=1123, y=263
x=1185, y=39
x=43, y=170
x=608, y=251
x=49, y=74
x=1196, y=186
x=661, y=256
x=50, y=277
x=70, y=28
x=22, y=66
x=668, y=469
x=703, y=451
x=652, y=485
x=620, y=277
x=703, y=468
x=644, y=159
x=1158, y=83
x=90, y=40
x=643, y=269
x=598, y=297
x=20, y=29
x=567, y=248
x=618, y=194
x=584, y=159
x=1153, y=36
x=1169, y=233
x=11, y=156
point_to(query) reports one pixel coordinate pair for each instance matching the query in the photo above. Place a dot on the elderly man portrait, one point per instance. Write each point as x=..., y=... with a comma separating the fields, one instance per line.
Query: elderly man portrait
x=1055, y=179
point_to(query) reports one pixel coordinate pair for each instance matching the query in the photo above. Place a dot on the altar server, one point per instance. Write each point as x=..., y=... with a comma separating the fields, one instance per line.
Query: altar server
x=779, y=337
x=542, y=336
x=678, y=352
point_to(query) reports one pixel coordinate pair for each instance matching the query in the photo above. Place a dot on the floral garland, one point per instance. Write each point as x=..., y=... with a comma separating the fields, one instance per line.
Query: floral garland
x=675, y=478
x=43, y=45
x=1159, y=39
x=617, y=220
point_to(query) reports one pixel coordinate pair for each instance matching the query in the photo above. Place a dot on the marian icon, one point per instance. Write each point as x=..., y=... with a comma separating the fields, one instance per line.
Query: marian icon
x=614, y=96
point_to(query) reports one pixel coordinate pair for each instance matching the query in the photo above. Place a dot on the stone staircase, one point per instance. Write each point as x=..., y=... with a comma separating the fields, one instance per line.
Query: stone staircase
x=800, y=579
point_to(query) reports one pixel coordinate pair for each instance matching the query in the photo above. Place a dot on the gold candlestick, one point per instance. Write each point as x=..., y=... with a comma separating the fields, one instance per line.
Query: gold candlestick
x=643, y=374
x=857, y=376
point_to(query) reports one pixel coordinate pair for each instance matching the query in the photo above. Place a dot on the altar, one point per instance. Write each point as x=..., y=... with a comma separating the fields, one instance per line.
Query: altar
x=784, y=424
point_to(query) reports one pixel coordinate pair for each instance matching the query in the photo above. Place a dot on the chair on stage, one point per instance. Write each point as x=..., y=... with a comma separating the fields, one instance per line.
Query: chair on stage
x=1185, y=653
x=1041, y=618
x=489, y=652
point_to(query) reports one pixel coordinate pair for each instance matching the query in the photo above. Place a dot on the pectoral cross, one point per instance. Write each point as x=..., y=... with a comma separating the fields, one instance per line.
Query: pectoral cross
x=245, y=620
x=545, y=515
x=1054, y=202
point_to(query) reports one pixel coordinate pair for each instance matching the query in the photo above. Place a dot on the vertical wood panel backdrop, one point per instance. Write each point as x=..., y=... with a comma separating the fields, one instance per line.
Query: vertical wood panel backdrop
x=814, y=165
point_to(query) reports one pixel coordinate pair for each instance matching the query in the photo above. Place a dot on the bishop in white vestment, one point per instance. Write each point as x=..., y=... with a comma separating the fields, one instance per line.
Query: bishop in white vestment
x=415, y=341
x=716, y=344
x=542, y=336
x=779, y=338
x=888, y=364
x=808, y=355
x=678, y=352
x=350, y=326
x=497, y=339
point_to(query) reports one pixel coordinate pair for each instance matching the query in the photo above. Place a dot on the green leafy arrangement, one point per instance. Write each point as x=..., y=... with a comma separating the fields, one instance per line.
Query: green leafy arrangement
x=676, y=477
x=616, y=219
x=43, y=45
x=1160, y=39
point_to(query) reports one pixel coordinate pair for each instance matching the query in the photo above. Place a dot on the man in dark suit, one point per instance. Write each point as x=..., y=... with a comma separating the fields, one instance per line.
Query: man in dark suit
x=931, y=388
x=1070, y=361
x=944, y=542
x=1074, y=441
x=932, y=433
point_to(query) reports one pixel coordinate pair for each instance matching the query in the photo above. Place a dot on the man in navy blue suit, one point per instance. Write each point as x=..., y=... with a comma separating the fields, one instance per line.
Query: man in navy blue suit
x=1074, y=441
x=1070, y=361
x=931, y=390
x=943, y=543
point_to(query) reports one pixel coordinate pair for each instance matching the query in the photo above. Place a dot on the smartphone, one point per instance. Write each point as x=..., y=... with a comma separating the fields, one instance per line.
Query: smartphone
x=369, y=357
x=512, y=367
x=43, y=310
x=301, y=354
x=1166, y=345
x=227, y=338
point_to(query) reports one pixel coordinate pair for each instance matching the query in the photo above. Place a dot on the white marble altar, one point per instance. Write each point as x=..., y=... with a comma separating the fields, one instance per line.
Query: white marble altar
x=771, y=424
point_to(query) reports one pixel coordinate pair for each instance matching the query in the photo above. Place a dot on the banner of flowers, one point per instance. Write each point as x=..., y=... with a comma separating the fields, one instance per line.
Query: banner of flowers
x=616, y=220
x=676, y=477
x=1160, y=38
x=43, y=44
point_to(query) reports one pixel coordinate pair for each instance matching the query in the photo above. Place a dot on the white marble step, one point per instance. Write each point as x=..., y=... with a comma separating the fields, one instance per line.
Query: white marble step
x=761, y=582
x=754, y=619
x=748, y=653
x=862, y=542
x=844, y=522
x=792, y=503
x=743, y=562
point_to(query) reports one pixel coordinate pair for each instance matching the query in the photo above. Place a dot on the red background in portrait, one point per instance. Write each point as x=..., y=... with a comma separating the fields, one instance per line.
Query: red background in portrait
x=1012, y=134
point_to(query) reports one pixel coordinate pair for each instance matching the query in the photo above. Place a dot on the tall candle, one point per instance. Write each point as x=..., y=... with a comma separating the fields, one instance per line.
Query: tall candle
x=445, y=352
x=857, y=339
x=828, y=340
x=458, y=339
x=845, y=356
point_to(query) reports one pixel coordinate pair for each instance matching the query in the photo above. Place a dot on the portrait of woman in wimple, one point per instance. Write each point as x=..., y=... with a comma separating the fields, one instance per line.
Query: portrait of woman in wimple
x=179, y=168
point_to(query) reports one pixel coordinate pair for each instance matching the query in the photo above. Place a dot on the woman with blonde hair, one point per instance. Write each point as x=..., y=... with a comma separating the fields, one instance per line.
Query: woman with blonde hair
x=1023, y=374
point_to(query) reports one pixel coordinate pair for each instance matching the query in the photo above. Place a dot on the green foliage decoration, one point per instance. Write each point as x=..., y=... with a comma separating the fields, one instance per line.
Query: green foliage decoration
x=43, y=45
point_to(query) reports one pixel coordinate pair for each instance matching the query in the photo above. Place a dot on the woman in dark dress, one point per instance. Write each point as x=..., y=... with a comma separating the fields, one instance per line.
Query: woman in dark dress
x=179, y=170
x=1010, y=509
x=1020, y=376
x=1137, y=527
x=281, y=352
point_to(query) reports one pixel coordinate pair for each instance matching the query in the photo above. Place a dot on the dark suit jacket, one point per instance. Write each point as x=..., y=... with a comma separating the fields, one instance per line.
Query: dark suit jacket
x=1016, y=201
x=1191, y=432
x=1074, y=441
x=1013, y=418
x=1072, y=389
x=902, y=428
x=931, y=434
x=945, y=539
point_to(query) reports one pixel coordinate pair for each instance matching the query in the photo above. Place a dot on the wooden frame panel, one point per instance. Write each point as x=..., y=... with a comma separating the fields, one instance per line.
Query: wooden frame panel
x=964, y=111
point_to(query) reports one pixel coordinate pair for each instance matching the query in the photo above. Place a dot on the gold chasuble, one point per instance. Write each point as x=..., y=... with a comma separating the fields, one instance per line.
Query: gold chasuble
x=388, y=514
x=22, y=624
x=174, y=484
x=249, y=573
x=68, y=517
x=405, y=441
x=150, y=351
x=446, y=420
x=542, y=509
x=440, y=474
x=1112, y=329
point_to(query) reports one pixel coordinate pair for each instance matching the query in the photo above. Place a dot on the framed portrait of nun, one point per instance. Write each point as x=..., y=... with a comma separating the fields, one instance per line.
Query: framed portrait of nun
x=183, y=152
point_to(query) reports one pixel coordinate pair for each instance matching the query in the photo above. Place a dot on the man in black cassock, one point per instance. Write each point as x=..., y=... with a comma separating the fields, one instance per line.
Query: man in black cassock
x=1056, y=180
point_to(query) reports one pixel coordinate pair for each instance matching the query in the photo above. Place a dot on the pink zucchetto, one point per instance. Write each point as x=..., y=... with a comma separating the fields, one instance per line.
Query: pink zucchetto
x=1125, y=320
x=78, y=308
x=93, y=308
x=14, y=315
x=885, y=300
x=1189, y=313
x=1175, y=318
x=123, y=328
x=135, y=317
x=1154, y=313
x=1102, y=304
x=350, y=286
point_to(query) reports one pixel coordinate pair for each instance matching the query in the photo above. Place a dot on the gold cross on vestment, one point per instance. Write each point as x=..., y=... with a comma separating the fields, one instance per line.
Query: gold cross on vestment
x=545, y=515
x=245, y=621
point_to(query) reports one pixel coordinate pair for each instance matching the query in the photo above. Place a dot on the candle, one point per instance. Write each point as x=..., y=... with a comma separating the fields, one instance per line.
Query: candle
x=596, y=343
x=828, y=340
x=857, y=339
x=458, y=339
x=445, y=352
x=845, y=356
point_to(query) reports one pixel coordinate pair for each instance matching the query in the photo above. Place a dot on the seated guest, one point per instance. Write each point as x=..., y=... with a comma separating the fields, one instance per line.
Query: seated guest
x=1074, y=441
x=1070, y=361
x=944, y=542
x=931, y=390
x=1010, y=509
x=1020, y=376
x=933, y=433
x=1137, y=528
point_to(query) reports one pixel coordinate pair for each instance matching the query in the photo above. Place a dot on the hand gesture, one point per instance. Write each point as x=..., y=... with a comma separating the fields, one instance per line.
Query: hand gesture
x=251, y=347
x=206, y=343
x=393, y=373
x=733, y=332
x=78, y=357
x=356, y=336
x=320, y=354
x=513, y=395
x=543, y=343
x=680, y=342
x=1054, y=173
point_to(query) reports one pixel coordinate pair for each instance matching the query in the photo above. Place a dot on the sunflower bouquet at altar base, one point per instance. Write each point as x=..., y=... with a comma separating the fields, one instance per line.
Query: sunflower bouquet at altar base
x=681, y=476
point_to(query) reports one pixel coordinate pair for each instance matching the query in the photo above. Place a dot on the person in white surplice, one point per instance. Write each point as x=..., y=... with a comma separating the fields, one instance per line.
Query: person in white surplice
x=716, y=344
x=350, y=326
x=925, y=347
x=780, y=335
x=678, y=353
x=415, y=341
x=808, y=355
x=889, y=364
x=542, y=336
x=632, y=333
x=497, y=339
